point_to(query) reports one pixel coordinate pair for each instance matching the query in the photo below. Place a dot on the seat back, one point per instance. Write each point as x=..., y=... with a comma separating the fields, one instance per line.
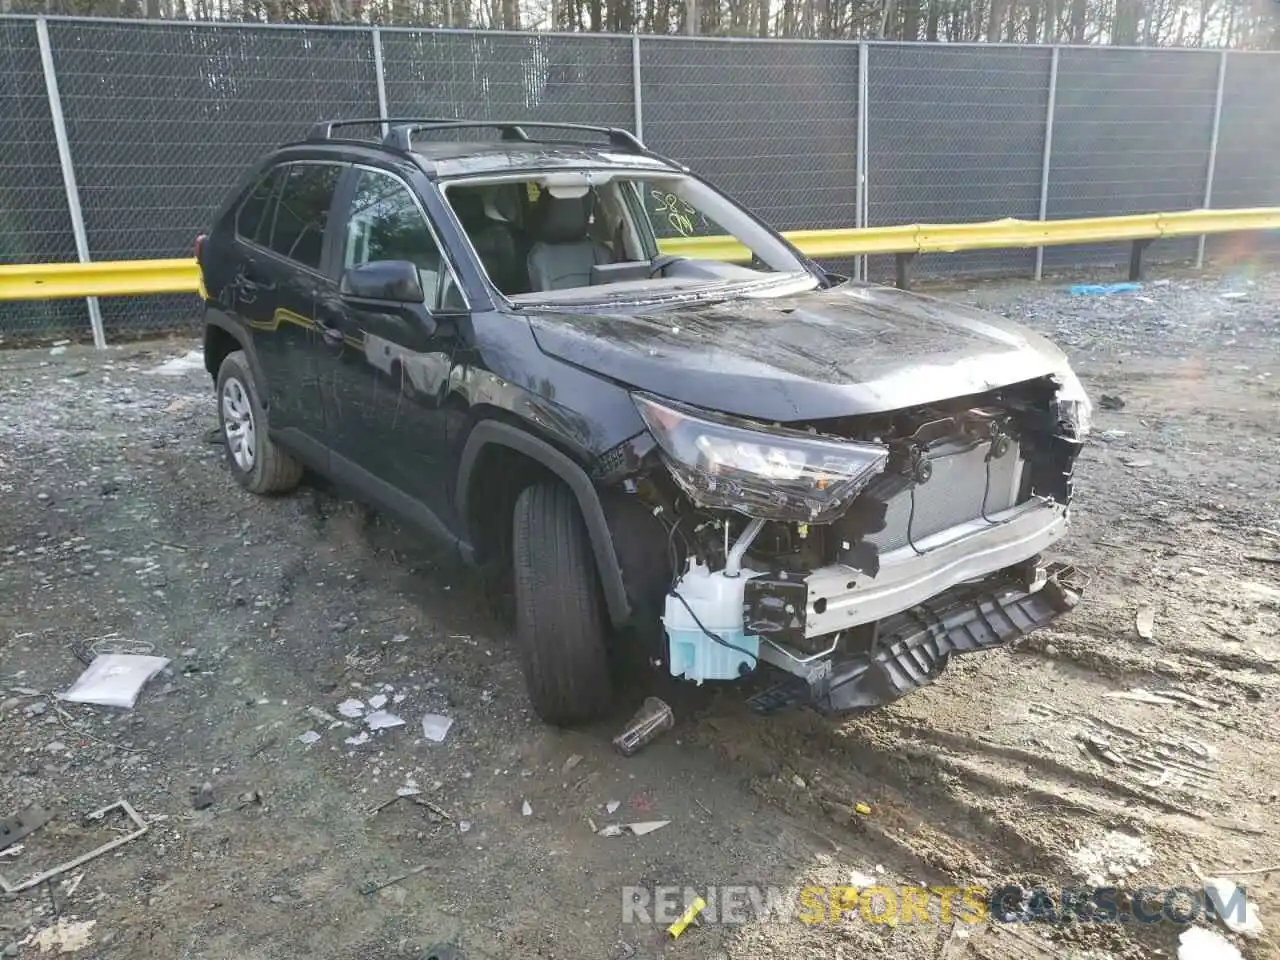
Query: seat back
x=563, y=253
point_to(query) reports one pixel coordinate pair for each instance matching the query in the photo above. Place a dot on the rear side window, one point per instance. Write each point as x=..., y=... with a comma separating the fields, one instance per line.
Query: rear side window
x=303, y=211
x=253, y=220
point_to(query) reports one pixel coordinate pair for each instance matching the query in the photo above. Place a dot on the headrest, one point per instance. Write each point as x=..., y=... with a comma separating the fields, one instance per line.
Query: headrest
x=563, y=221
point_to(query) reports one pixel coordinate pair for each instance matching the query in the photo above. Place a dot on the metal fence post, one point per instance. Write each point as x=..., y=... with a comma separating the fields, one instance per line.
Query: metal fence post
x=637, y=98
x=1213, y=149
x=1048, y=153
x=381, y=75
x=68, y=171
x=860, y=201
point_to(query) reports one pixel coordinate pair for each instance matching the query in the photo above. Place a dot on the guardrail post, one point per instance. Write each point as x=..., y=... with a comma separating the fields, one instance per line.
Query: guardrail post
x=1213, y=149
x=1048, y=153
x=860, y=201
x=901, y=266
x=381, y=75
x=637, y=97
x=68, y=171
x=1135, y=257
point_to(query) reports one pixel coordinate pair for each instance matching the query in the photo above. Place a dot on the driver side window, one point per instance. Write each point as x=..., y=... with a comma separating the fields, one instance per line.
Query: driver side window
x=386, y=223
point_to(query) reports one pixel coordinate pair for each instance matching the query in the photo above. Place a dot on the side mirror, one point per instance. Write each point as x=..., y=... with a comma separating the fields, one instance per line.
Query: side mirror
x=391, y=281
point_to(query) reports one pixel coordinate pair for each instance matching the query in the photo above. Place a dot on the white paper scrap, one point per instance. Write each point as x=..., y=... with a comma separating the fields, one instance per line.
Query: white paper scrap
x=114, y=679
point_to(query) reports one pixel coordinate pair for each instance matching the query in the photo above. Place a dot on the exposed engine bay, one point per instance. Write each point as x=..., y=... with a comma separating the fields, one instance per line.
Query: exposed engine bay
x=929, y=544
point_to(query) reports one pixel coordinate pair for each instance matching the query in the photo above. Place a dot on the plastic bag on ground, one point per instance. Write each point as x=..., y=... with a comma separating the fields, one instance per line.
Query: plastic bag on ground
x=114, y=679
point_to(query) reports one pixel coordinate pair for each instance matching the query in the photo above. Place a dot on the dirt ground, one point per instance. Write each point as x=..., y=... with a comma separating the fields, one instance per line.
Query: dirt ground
x=1034, y=766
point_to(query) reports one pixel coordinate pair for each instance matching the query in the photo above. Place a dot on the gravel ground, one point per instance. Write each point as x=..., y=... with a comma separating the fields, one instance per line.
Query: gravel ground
x=1038, y=765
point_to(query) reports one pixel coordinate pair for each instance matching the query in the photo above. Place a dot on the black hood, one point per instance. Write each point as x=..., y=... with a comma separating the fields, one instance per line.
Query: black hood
x=848, y=350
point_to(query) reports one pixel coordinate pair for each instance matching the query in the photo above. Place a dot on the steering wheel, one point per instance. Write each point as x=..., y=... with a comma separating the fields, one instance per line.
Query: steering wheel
x=661, y=262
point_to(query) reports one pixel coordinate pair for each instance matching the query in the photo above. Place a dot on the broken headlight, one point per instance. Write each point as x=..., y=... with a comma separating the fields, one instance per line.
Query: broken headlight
x=1072, y=406
x=722, y=462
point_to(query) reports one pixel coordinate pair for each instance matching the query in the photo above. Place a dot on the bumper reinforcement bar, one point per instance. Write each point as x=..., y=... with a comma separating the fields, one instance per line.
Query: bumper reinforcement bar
x=912, y=648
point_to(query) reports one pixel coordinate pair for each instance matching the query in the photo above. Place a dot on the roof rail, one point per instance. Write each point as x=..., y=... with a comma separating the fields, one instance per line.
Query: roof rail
x=401, y=136
x=323, y=129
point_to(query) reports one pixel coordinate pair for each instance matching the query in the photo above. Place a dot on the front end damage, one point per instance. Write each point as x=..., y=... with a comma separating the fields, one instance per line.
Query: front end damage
x=853, y=557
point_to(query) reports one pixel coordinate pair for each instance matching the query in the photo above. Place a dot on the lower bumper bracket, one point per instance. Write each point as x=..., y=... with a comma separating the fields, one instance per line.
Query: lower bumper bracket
x=913, y=647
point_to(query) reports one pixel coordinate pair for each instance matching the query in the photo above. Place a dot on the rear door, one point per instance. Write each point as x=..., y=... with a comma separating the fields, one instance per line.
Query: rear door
x=281, y=248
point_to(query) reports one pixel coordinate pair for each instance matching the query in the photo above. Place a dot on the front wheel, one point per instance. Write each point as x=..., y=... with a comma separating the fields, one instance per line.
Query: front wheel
x=560, y=620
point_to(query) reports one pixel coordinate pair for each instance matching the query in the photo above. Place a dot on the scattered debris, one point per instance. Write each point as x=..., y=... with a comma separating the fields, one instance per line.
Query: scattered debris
x=374, y=886
x=309, y=738
x=382, y=720
x=638, y=829
x=1251, y=872
x=435, y=727
x=66, y=935
x=612, y=806
x=317, y=714
x=1237, y=913
x=13, y=851
x=1142, y=696
x=464, y=826
x=1200, y=943
x=653, y=718
x=114, y=680
x=400, y=638
x=1137, y=463
x=526, y=808
x=21, y=824
x=202, y=796
x=1102, y=289
x=177, y=366
x=1110, y=401
x=1145, y=621
x=1116, y=854
x=798, y=782
x=359, y=739
x=351, y=709
x=860, y=881
x=140, y=828
x=377, y=701
x=573, y=761
x=687, y=918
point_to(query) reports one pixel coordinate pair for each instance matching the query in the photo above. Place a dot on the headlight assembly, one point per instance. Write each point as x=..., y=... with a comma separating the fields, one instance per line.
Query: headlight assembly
x=722, y=462
x=1072, y=406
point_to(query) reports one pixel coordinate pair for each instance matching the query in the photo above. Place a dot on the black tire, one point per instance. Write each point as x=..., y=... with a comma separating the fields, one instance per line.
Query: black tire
x=270, y=470
x=560, y=617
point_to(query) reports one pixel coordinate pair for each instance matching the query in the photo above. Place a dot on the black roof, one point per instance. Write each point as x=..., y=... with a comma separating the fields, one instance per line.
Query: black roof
x=512, y=149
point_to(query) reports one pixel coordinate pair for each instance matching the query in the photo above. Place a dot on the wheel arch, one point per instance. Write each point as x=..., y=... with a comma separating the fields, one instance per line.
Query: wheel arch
x=493, y=436
x=221, y=338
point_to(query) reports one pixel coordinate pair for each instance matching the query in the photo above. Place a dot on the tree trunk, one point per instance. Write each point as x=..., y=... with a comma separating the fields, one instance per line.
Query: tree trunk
x=931, y=25
x=1079, y=12
x=995, y=19
x=692, y=18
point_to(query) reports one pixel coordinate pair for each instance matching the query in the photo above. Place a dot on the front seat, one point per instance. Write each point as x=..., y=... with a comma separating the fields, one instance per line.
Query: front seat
x=563, y=253
x=492, y=236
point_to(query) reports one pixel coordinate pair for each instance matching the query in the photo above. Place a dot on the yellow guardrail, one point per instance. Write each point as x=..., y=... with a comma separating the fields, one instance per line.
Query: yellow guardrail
x=133, y=277
x=118, y=278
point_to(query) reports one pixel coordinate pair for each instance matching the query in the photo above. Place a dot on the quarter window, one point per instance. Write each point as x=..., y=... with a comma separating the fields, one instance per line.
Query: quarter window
x=253, y=221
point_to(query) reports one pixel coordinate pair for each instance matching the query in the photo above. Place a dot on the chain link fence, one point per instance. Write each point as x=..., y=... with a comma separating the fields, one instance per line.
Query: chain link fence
x=161, y=120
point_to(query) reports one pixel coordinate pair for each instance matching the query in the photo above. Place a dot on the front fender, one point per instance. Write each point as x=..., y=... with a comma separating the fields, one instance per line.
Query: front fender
x=575, y=478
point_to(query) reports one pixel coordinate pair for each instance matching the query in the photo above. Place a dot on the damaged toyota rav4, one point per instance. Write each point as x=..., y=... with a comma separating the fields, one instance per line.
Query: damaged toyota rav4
x=642, y=409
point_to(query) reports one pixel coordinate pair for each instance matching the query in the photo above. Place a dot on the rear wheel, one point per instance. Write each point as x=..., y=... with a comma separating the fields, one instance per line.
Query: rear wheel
x=256, y=462
x=560, y=620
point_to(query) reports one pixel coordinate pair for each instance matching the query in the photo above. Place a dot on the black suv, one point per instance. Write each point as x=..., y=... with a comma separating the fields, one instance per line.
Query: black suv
x=669, y=431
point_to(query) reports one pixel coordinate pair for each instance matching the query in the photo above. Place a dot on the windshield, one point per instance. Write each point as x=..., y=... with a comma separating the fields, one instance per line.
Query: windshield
x=588, y=236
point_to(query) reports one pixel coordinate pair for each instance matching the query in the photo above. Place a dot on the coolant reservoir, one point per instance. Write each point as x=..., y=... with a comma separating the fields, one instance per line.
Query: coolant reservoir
x=716, y=600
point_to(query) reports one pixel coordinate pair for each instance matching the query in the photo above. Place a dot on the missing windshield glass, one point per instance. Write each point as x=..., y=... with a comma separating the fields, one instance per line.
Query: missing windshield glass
x=577, y=236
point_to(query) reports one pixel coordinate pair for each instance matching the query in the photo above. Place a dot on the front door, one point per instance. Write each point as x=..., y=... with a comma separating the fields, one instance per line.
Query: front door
x=386, y=385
